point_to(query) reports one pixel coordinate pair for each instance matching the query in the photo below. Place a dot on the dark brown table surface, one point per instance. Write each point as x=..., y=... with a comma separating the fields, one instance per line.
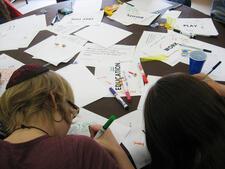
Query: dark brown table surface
x=108, y=106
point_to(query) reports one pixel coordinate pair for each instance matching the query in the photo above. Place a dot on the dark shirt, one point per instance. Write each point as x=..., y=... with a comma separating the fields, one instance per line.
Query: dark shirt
x=70, y=152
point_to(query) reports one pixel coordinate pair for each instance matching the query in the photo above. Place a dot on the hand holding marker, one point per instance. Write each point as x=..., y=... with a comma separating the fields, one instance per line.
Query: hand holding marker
x=105, y=126
x=214, y=67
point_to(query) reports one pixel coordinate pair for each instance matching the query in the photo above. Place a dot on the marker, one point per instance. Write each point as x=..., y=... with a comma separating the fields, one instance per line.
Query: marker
x=214, y=67
x=105, y=126
x=126, y=87
x=144, y=77
x=55, y=19
x=118, y=98
x=204, y=50
x=129, y=4
x=190, y=35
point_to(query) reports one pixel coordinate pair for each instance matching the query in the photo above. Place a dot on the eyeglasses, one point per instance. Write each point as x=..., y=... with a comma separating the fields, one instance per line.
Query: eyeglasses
x=75, y=107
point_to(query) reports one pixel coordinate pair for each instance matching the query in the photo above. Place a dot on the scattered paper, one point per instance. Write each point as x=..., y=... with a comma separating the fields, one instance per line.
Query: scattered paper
x=87, y=5
x=83, y=19
x=134, y=120
x=7, y=66
x=104, y=35
x=18, y=33
x=128, y=15
x=112, y=75
x=149, y=5
x=57, y=49
x=196, y=26
x=171, y=14
x=63, y=28
x=85, y=118
x=94, y=55
x=135, y=143
x=86, y=87
x=159, y=45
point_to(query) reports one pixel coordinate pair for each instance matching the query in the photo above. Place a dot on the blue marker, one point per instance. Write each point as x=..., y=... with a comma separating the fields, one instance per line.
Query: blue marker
x=118, y=98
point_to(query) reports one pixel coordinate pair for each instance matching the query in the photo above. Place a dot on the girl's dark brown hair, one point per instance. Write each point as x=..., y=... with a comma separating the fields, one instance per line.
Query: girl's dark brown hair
x=185, y=124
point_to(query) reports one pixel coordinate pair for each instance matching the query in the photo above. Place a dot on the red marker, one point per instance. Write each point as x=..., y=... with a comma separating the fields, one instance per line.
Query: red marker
x=144, y=77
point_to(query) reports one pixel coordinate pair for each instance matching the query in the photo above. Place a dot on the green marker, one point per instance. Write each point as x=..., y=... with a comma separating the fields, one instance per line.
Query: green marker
x=105, y=126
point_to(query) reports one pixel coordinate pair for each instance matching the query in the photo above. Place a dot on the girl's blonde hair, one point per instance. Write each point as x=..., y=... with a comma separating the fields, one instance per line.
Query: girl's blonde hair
x=21, y=102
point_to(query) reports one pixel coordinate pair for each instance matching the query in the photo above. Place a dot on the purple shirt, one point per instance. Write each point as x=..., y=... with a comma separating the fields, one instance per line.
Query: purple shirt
x=69, y=152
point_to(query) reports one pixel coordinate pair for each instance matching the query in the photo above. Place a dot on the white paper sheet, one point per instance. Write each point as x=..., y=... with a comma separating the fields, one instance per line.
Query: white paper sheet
x=57, y=49
x=18, y=33
x=86, y=118
x=104, y=35
x=196, y=26
x=94, y=55
x=86, y=87
x=111, y=75
x=134, y=119
x=150, y=5
x=63, y=28
x=7, y=66
x=155, y=44
x=135, y=143
x=128, y=15
x=89, y=18
x=87, y=5
x=171, y=13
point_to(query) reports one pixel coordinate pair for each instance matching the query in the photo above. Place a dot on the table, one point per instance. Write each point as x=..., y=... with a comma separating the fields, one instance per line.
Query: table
x=107, y=106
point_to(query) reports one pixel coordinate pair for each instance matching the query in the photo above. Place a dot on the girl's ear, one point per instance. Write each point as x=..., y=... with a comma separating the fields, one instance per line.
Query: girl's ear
x=52, y=101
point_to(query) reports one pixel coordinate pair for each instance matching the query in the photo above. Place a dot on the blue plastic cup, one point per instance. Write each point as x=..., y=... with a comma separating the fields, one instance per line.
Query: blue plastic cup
x=196, y=62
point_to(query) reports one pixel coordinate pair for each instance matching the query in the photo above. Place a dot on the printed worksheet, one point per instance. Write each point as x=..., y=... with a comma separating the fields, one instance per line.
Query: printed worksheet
x=196, y=26
x=128, y=15
x=94, y=55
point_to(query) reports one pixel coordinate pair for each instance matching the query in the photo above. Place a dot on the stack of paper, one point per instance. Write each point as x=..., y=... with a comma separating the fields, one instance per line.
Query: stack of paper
x=86, y=87
x=7, y=66
x=104, y=35
x=20, y=32
x=196, y=26
x=85, y=118
x=57, y=49
x=128, y=15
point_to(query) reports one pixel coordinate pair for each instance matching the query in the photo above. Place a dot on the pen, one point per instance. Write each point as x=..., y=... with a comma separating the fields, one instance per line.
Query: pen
x=105, y=126
x=126, y=87
x=175, y=7
x=118, y=98
x=214, y=67
x=144, y=77
x=204, y=50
